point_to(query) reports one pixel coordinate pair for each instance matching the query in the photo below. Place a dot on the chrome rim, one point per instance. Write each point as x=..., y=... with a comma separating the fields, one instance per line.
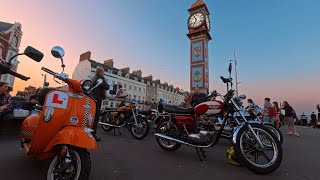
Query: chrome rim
x=139, y=129
x=73, y=172
x=168, y=132
x=260, y=157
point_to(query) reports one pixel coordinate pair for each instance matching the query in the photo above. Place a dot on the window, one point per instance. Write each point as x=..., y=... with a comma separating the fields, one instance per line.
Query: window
x=144, y=90
x=139, y=98
x=4, y=78
x=129, y=96
x=134, y=97
x=139, y=89
x=130, y=87
x=125, y=85
x=14, y=41
x=135, y=88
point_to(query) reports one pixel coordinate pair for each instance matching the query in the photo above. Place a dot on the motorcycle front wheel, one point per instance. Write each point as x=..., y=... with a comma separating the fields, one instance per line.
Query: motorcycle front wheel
x=261, y=160
x=141, y=129
x=77, y=169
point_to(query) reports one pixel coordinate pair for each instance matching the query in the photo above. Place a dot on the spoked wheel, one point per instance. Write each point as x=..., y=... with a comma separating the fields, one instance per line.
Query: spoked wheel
x=78, y=167
x=169, y=130
x=261, y=160
x=106, y=118
x=141, y=129
x=276, y=132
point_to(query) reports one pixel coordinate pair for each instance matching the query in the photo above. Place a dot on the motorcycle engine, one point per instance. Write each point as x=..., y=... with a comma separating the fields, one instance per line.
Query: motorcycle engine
x=203, y=137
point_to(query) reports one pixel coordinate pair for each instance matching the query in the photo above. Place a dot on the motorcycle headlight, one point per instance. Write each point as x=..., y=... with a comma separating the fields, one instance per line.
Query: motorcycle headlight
x=86, y=85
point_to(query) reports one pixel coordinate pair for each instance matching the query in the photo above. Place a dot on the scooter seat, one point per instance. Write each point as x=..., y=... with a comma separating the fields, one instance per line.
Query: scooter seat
x=177, y=110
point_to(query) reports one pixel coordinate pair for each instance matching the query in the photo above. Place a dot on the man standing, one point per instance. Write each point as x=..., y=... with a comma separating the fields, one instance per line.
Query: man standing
x=269, y=112
x=197, y=97
x=99, y=94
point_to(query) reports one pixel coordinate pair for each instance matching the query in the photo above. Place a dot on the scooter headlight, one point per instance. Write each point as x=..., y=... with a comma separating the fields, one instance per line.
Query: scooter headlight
x=48, y=113
x=86, y=85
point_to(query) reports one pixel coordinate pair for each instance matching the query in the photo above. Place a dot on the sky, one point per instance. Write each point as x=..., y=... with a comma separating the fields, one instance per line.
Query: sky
x=276, y=42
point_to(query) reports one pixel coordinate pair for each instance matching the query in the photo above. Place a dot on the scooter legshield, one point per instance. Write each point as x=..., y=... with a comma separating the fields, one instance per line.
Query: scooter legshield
x=75, y=136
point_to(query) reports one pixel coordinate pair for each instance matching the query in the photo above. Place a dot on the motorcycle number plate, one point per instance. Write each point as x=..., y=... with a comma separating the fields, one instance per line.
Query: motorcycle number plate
x=57, y=99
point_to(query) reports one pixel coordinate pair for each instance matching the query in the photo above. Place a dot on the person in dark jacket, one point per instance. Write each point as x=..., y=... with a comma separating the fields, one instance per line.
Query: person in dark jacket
x=5, y=102
x=99, y=94
x=313, y=120
x=197, y=97
x=288, y=118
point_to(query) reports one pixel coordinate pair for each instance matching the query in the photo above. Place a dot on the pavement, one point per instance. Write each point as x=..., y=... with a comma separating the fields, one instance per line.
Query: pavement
x=121, y=157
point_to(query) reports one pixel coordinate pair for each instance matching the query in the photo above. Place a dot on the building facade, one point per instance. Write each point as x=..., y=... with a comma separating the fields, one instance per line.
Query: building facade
x=141, y=89
x=10, y=39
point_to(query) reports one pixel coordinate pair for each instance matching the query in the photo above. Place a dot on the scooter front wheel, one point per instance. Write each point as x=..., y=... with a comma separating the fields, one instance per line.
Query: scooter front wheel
x=77, y=167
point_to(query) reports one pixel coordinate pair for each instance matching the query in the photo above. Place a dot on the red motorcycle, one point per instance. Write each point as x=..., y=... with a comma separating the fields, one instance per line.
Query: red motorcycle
x=255, y=145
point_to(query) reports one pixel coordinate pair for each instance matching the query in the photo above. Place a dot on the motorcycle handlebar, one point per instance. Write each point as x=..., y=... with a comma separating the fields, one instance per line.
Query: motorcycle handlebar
x=48, y=71
x=6, y=70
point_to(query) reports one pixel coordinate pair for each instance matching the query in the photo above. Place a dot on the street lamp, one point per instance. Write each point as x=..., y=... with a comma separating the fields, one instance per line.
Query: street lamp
x=236, y=71
x=44, y=80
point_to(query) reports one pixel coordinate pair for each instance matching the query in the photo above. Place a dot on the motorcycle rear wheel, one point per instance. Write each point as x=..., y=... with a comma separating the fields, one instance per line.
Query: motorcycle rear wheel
x=80, y=168
x=248, y=153
x=106, y=118
x=162, y=129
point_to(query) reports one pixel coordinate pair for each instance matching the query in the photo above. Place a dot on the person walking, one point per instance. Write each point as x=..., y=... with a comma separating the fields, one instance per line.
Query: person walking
x=288, y=118
x=197, y=97
x=99, y=94
x=269, y=112
x=5, y=109
x=277, y=117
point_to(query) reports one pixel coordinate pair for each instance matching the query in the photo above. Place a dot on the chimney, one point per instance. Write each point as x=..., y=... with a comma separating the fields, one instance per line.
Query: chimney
x=157, y=81
x=137, y=73
x=148, y=78
x=109, y=63
x=125, y=70
x=85, y=56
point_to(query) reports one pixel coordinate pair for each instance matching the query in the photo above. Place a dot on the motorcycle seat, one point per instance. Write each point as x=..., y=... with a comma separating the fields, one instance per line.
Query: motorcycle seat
x=177, y=110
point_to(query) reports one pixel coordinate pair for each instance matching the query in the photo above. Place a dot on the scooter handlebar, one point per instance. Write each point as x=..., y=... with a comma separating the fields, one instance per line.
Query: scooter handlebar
x=6, y=70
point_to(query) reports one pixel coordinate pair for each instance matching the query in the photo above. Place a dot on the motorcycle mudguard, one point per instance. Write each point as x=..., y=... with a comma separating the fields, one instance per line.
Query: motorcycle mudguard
x=74, y=136
x=236, y=132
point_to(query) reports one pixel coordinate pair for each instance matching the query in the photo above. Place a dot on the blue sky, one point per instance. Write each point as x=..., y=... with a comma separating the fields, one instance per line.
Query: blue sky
x=276, y=42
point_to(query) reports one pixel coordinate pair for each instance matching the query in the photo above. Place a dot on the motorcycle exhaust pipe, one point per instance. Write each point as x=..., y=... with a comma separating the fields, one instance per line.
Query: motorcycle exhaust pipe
x=181, y=142
x=111, y=125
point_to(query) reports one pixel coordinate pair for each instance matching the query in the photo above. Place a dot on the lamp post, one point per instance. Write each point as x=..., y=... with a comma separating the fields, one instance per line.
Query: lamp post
x=236, y=71
x=44, y=80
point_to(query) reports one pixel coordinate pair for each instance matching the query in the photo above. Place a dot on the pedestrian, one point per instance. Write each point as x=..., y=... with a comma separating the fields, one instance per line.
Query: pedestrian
x=5, y=102
x=34, y=99
x=197, y=97
x=269, y=112
x=251, y=108
x=318, y=108
x=99, y=94
x=288, y=118
x=313, y=120
x=277, y=117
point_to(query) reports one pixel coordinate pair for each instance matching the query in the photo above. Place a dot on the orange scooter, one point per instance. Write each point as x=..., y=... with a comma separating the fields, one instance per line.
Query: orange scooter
x=62, y=129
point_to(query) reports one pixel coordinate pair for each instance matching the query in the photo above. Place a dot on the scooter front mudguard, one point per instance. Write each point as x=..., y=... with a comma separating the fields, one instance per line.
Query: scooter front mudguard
x=75, y=136
x=236, y=132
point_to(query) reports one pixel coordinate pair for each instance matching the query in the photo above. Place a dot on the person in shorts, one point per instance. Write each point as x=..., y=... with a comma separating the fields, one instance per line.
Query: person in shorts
x=288, y=119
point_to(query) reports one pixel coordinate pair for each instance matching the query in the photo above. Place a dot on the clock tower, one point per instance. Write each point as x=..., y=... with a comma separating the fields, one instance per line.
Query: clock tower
x=199, y=27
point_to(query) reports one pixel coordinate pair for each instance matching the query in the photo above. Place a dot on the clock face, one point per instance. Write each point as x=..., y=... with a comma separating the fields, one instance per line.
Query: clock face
x=196, y=20
x=208, y=22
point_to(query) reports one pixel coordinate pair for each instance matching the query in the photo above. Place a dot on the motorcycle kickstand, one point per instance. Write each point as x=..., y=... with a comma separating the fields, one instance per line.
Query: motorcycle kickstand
x=114, y=131
x=201, y=154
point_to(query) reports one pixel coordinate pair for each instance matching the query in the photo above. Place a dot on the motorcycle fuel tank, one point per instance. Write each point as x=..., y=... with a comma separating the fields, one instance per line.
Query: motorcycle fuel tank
x=215, y=107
